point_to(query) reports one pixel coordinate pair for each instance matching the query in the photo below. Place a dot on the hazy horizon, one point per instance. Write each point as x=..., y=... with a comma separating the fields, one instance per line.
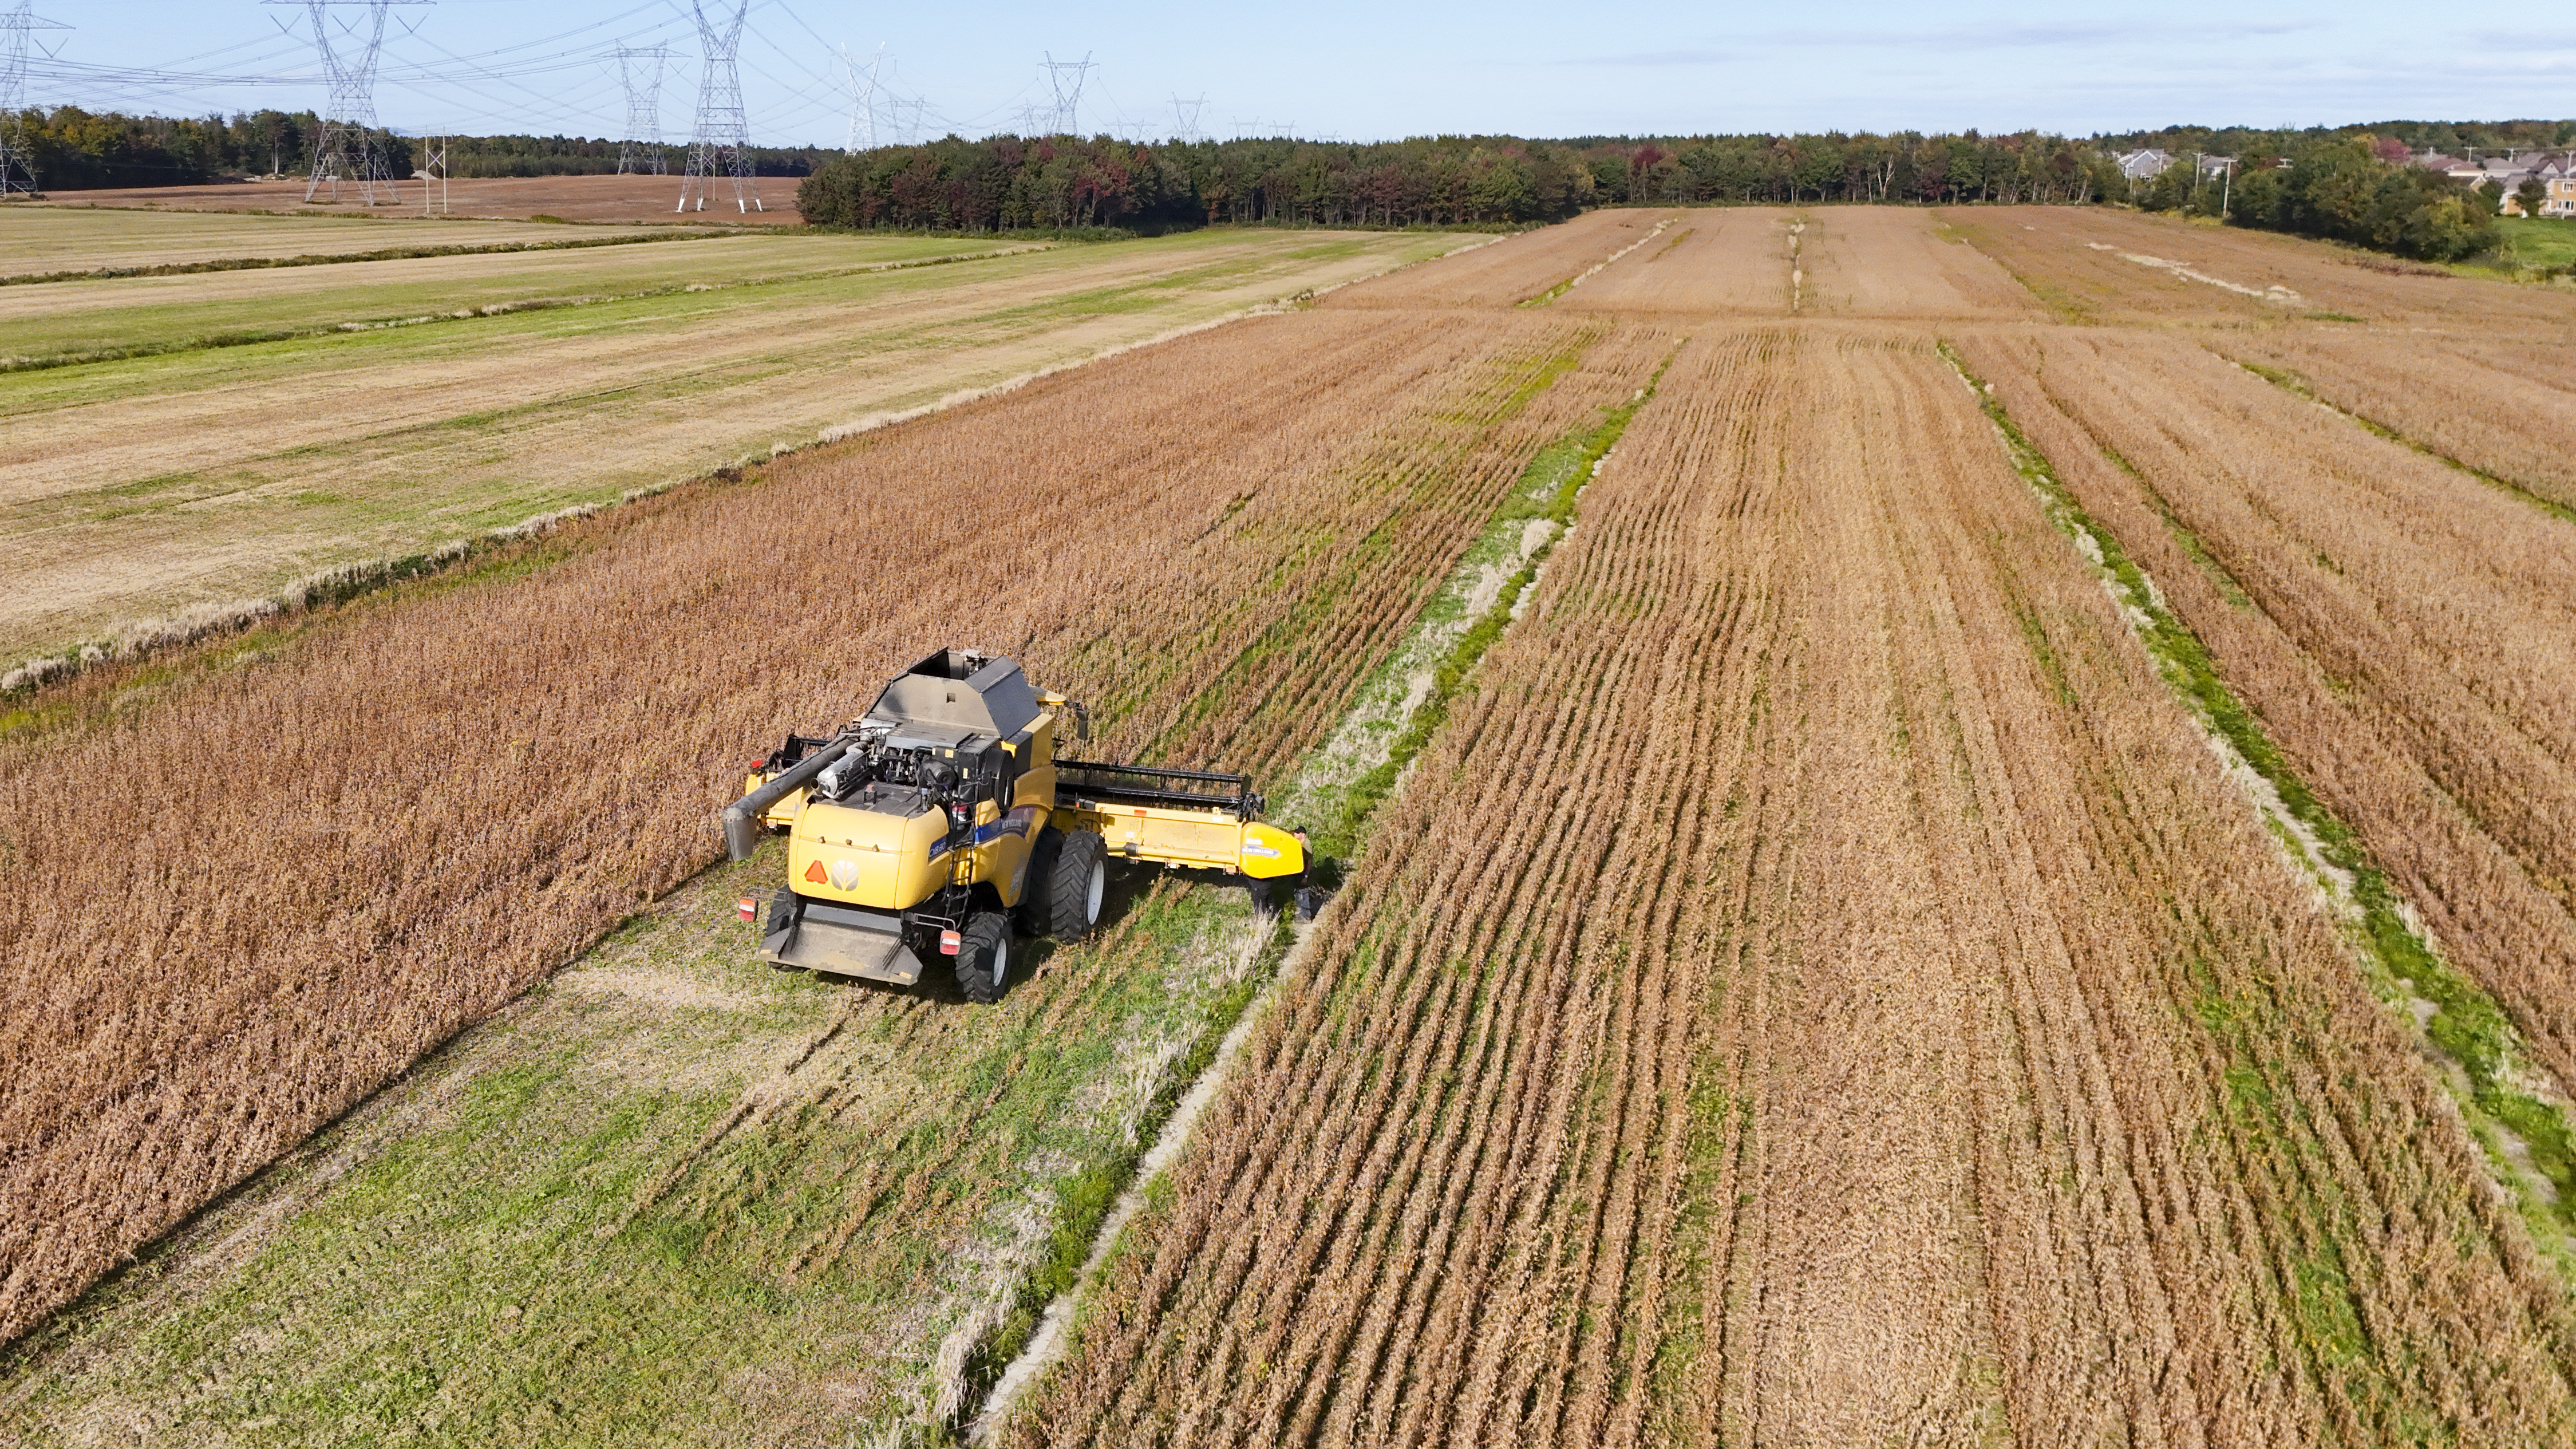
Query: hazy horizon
x=1338, y=71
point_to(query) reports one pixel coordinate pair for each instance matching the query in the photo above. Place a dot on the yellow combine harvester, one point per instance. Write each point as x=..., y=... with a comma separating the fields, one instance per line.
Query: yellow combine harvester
x=923, y=829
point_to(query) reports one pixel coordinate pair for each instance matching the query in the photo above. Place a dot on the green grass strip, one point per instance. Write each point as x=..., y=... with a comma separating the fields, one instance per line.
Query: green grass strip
x=1085, y=1200
x=2467, y=1024
x=1551, y=294
x=241, y=337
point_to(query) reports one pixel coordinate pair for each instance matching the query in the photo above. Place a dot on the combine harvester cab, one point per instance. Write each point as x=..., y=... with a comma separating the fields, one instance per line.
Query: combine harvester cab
x=943, y=818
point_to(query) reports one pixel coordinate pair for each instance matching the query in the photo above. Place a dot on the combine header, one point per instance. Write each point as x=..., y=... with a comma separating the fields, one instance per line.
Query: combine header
x=944, y=815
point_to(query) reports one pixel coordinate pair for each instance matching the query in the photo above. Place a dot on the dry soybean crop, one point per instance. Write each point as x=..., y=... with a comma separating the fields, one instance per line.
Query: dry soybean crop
x=1971, y=844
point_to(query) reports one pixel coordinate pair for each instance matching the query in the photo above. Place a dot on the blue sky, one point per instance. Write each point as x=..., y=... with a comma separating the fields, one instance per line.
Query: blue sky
x=1361, y=71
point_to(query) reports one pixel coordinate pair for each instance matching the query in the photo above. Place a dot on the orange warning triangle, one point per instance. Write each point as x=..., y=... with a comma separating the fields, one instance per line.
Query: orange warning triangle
x=814, y=872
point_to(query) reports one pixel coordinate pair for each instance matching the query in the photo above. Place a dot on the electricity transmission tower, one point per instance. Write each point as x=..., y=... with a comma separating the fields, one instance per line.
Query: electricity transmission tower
x=16, y=24
x=1068, y=98
x=1185, y=119
x=863, y=98
x=639, y=69
x=723, y=137
x=347, y=148
x=432, y=176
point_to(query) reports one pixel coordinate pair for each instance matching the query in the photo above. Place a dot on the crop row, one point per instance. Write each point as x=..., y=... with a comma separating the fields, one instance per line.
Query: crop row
x=2404, y=631
x=1819, y=988
x=252, y=892
x=2499, y=404
x=1509, y=271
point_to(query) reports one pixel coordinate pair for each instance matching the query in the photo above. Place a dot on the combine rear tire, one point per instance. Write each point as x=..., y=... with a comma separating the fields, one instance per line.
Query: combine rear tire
x=984, y=956
x=1076, y=884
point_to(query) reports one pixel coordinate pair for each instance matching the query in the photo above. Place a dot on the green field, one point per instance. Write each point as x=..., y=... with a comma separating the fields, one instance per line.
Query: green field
x=2535, y=243
x=35, y=240
x=195, y=440
x=54, y=324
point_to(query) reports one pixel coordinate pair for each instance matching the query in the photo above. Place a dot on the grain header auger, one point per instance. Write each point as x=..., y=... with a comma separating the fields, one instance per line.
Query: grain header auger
x=945, y=814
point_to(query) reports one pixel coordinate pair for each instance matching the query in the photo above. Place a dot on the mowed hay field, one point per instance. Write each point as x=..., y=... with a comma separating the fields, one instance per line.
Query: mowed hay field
x=629, y=200
x=2001, y=882
x=187, y=442
x=49, y=241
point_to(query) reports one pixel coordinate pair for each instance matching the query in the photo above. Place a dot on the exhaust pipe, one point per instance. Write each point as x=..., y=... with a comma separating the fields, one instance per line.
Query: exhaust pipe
x=742, y=818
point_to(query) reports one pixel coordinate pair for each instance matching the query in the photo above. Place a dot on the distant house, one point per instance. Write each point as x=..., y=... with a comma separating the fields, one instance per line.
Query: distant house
x=2145, y=165
x=2506, y=171
x=2556, y=173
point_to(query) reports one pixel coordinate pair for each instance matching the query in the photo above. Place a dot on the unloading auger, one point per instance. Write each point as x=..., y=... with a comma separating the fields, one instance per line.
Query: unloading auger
x=944, y=816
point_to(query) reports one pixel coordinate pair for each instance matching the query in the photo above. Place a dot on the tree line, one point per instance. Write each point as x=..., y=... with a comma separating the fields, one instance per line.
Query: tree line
x=70, y=149
x=1906, y=167
x=2344, y=184
x=1008, y=182
x=1013, y=182
x=2349, y=184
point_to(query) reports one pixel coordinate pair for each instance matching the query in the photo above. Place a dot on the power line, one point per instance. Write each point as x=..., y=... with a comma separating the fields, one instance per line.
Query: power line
x=346, y=147
x=639, y=151
x=17, y=27
x=1068, y=98
x=723, y=136
x=432, y=177
x=548, y=78
x=863, y=99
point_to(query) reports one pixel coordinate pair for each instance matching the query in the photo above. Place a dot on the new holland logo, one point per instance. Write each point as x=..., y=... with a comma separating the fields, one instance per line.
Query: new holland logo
x=845, y=875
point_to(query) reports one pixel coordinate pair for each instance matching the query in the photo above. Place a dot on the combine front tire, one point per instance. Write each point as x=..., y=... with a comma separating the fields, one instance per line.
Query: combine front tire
x=984, y=956
x=1076, y=884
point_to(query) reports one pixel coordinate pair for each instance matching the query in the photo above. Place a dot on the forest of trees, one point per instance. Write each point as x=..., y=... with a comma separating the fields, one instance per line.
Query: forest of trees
x=1010, y=182
x=75, y=150
x=1063, y=181
x=1906, y=167
x=2350, y=184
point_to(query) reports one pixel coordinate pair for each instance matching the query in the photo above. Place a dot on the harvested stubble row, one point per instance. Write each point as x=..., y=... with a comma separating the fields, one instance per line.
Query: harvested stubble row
x=1733, y=259
x=2407, y=633
x=1507, y=272
x=245, y=898
x=2115, y=266
x=1879, y=262
x=2503, y=404
x=1818, y=989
